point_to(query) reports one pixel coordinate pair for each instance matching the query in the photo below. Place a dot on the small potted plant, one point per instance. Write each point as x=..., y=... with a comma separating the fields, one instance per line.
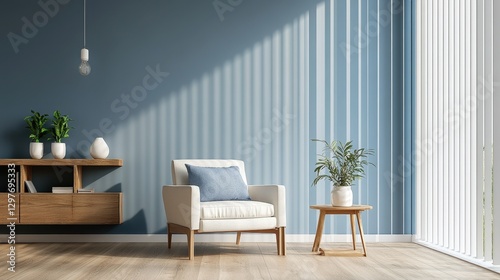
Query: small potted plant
x=59, y=130
x=36, y=125
x=342, y=165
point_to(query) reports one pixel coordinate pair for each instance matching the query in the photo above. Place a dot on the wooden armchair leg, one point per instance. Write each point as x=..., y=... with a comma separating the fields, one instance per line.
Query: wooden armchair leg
x=173, y=228
x=238, y=237
x=280, y=241
x=283, y=243
x=190, y=237
x=169, y=238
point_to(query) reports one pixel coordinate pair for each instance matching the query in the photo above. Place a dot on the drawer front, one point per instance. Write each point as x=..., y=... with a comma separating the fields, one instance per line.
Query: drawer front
x=98, y=208
x=46, y=209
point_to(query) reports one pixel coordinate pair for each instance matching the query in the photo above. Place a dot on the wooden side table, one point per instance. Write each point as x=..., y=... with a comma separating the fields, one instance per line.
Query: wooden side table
x=352, y=211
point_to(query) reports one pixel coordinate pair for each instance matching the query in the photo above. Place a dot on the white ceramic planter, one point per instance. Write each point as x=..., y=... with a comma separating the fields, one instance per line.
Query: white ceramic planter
x=58, y=150
x=99, y=149
x=342, y=196
x=36, y=150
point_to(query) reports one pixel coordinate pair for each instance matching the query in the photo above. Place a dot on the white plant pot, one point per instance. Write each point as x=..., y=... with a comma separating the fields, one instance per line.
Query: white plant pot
x=342, y=196
x=36, y=150
x=58, y=150
x=99, y=149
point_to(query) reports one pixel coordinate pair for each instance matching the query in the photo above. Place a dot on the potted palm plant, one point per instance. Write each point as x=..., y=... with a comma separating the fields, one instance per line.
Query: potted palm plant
x=342, y=165
x=36, y=125
x=59, y=130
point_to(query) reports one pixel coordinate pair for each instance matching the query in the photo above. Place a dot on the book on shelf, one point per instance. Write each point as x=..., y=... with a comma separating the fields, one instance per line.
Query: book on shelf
x=30, y=186
x=85, y=190
x=62, y=189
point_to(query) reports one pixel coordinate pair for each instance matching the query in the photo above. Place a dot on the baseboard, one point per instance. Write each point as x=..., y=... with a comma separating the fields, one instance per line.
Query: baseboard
x=389, y=238
x=207, y=237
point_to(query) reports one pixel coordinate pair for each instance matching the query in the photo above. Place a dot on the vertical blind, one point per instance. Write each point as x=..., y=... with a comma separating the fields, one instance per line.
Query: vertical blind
x=357, y=81
x=457, y=117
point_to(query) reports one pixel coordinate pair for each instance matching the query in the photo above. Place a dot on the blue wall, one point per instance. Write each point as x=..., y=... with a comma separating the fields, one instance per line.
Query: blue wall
x=255, y=81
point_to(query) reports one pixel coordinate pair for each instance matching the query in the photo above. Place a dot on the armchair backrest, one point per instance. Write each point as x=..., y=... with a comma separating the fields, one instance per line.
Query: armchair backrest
x=180, y=174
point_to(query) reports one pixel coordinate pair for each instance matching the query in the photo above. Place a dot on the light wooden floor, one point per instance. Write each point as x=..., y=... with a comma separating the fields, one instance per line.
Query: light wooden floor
x=229, y=261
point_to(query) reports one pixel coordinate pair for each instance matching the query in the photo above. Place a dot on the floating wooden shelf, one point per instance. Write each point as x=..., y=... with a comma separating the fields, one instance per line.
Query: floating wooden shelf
x=62, y=162
x=50, y=208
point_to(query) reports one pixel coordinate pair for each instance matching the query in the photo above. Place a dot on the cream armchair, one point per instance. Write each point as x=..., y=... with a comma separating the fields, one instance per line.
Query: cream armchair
x=186, y=214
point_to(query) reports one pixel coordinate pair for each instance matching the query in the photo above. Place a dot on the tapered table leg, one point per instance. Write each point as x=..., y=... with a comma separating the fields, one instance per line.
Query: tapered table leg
x=319, y=231
x=360, y=225
x=353, y=232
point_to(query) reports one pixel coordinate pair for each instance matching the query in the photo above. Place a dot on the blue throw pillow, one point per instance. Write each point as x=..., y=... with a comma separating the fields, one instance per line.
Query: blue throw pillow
x=218, y=183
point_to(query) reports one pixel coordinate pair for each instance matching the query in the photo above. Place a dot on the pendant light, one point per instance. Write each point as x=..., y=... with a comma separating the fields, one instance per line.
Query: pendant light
x=84, y=53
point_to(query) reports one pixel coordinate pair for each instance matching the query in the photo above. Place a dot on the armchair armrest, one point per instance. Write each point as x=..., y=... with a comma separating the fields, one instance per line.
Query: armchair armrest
x=273, y=194
x=182, y=205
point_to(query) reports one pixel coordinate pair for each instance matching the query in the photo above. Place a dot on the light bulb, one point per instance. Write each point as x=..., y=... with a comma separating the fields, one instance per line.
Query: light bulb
x=84, y=66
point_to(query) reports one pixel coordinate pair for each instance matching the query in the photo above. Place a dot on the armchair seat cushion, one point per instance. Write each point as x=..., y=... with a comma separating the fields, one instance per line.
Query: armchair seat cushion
x=216, y=210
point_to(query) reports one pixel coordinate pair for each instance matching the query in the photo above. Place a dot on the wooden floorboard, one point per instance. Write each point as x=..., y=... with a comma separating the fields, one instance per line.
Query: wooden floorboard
x=230, y=261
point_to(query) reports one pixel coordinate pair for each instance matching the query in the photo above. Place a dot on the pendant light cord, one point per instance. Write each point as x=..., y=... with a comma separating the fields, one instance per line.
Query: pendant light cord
x=84, y=23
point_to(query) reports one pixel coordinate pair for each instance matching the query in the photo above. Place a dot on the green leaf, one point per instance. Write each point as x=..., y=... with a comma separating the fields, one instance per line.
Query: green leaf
x=35, y=123
x=60, y=126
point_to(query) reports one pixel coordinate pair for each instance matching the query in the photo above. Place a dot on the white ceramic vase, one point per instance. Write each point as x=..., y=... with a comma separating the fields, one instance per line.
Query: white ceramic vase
x=99, y=149
x=36, y=150
x=58, y=150
x=342, y=196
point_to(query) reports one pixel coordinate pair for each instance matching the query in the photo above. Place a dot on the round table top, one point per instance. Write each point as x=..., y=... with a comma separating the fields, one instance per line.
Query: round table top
x=330, y=207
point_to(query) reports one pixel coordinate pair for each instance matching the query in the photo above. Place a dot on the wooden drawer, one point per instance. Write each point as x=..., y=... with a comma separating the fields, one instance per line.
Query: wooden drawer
x=97, y=208
x=50, y=209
